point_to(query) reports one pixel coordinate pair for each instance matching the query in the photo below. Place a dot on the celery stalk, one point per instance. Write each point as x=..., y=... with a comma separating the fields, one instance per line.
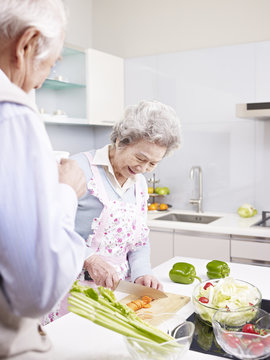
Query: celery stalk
x=103, y=309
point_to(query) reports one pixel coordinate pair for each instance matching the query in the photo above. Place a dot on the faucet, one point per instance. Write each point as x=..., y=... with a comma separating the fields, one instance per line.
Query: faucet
x=199, y=200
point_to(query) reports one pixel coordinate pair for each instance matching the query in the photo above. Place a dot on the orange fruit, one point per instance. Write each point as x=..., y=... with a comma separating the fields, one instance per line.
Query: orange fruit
x=153, y=206
x=156, y=205
x=163, y=207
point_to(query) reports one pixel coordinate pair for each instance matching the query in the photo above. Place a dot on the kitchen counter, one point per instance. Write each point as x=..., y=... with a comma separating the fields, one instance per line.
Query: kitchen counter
x=231, y=224
x=74, y=337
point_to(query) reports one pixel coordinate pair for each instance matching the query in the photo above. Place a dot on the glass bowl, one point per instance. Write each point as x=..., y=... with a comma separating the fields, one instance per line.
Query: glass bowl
x=172, y=324
x=228, y=326
x=205, y=311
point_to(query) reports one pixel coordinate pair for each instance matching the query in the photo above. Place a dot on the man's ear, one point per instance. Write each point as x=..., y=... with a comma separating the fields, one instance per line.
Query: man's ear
x=26, y=46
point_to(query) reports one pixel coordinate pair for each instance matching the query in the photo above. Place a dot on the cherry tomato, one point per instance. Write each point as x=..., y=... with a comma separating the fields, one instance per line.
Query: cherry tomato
x=246, y=340
x=207, y=285
x=266, y=340
x=256, y=348
x=203, y=300
x=232, y=340
x=249, y=328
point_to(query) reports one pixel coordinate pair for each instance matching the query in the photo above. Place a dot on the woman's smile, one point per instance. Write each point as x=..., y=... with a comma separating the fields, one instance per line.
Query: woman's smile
x=131, y=171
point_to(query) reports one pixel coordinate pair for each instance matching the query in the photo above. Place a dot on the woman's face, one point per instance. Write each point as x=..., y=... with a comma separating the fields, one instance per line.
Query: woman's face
x=137, y=158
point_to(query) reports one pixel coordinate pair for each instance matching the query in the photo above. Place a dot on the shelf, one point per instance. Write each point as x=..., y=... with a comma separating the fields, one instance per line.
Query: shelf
x=155, y=195
x=65, y=120
x=67, y=51
x=60, y=119
x=60, y=85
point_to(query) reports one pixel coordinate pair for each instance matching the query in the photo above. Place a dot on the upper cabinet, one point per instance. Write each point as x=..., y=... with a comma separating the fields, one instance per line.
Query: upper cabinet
x=62, y=97
x=85, y=87
x=105, y=87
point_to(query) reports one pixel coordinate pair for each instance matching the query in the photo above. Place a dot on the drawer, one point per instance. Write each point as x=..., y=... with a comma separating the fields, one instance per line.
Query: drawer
x=202, y=245
x=252, y=250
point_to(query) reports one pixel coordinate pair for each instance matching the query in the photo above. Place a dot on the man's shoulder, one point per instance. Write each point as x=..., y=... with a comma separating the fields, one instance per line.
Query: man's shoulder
x=11, y=110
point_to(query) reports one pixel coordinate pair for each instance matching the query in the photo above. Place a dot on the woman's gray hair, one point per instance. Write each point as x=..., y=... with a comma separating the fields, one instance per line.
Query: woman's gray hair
x=151, y=121
x=47, y=16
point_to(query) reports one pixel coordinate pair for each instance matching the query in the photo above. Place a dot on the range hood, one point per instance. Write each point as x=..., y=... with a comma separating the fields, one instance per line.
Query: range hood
x=260, y=110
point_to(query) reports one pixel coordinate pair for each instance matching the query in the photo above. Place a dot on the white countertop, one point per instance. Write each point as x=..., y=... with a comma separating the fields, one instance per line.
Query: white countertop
x=74, y=337
x=230, y=224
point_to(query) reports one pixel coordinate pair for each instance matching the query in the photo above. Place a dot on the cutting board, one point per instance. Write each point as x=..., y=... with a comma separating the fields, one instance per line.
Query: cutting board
x=170, y=304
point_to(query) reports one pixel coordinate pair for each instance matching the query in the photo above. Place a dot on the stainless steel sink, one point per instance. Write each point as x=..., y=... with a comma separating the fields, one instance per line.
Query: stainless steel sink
x=191, y=218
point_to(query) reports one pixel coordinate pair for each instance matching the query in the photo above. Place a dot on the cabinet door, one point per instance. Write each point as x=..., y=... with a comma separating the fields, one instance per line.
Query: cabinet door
x=250, y=250
x=105, y=87
x=161, y=242
x=202, y=245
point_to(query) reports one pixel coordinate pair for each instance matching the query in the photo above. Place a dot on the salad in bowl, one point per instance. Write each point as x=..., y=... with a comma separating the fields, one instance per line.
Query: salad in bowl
x=227, y=293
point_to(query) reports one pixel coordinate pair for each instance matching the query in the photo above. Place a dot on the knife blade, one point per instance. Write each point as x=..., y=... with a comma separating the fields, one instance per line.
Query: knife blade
x=139, y=290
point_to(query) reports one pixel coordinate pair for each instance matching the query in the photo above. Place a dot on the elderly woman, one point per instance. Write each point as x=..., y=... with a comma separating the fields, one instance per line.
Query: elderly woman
x=111, y=216
x=37, y=237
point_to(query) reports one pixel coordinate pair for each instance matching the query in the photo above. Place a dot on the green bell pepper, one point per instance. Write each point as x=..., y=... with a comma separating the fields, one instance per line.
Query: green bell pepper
x=217, y=269
x=183, y=273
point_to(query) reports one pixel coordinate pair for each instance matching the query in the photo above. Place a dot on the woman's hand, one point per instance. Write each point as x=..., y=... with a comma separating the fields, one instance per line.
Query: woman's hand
x=101, y=272
x=150, y=281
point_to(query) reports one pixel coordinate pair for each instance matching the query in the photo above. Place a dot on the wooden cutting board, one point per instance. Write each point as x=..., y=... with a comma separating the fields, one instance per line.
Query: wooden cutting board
x=170, y=304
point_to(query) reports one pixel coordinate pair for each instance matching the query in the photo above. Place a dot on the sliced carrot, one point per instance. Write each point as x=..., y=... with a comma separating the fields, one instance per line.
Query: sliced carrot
x=147, y=299
x=138, y=304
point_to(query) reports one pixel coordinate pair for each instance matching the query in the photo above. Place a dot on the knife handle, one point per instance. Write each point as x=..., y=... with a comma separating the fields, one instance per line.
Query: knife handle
x=87, y=276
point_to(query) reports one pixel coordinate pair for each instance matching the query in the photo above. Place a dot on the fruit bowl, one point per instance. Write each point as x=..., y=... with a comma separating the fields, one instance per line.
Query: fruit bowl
x=241, y=336
x=206, y=311
x=181, y=331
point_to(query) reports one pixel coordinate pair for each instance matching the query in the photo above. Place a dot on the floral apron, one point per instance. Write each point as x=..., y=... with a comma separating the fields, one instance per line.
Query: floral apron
x=121, y=226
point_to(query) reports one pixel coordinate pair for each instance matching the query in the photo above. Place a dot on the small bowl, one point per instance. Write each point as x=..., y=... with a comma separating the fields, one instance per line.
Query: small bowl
x=181, y=331
x=228, y=326
x=205, y=311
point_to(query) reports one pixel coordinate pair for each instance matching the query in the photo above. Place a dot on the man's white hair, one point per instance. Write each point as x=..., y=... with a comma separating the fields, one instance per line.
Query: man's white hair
x=47, y=16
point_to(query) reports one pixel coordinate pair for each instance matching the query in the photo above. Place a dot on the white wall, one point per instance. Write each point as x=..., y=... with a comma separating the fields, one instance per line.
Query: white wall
x=131, y=28
x=203, y=86
x=77, y=138
x=79, y=28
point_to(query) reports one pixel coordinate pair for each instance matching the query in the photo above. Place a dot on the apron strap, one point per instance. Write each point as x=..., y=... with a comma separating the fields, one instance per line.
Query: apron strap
x=104, y=198
x=97, y=176
x=139, y=210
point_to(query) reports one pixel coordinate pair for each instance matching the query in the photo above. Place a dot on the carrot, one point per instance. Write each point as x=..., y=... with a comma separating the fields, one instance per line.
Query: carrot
x=138, y=304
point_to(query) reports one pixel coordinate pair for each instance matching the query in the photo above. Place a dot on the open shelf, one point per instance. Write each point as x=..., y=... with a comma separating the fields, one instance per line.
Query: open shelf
x=60, y=85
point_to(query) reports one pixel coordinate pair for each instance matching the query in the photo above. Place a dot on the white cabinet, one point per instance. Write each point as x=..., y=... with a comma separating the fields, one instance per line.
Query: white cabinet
x=85, y=87
x=161, y=243
x=202, y=245
x=252, y=250
x=105, y=87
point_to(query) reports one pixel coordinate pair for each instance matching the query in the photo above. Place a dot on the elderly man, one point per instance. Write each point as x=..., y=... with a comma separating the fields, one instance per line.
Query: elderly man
x=40, y=253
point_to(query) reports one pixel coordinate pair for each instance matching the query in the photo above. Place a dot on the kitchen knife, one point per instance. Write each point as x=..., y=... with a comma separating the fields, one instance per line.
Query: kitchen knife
x=139, y=290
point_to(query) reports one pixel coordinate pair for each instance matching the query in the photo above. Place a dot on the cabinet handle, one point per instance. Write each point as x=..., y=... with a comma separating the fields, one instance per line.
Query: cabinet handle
x=250, y=261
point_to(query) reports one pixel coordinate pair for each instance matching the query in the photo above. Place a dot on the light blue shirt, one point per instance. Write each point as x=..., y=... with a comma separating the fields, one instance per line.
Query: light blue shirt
x=40, y=253
x=90, y=207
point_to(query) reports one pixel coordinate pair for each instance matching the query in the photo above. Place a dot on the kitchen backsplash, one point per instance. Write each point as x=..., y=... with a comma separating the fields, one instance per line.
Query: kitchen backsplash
x=203, y=86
